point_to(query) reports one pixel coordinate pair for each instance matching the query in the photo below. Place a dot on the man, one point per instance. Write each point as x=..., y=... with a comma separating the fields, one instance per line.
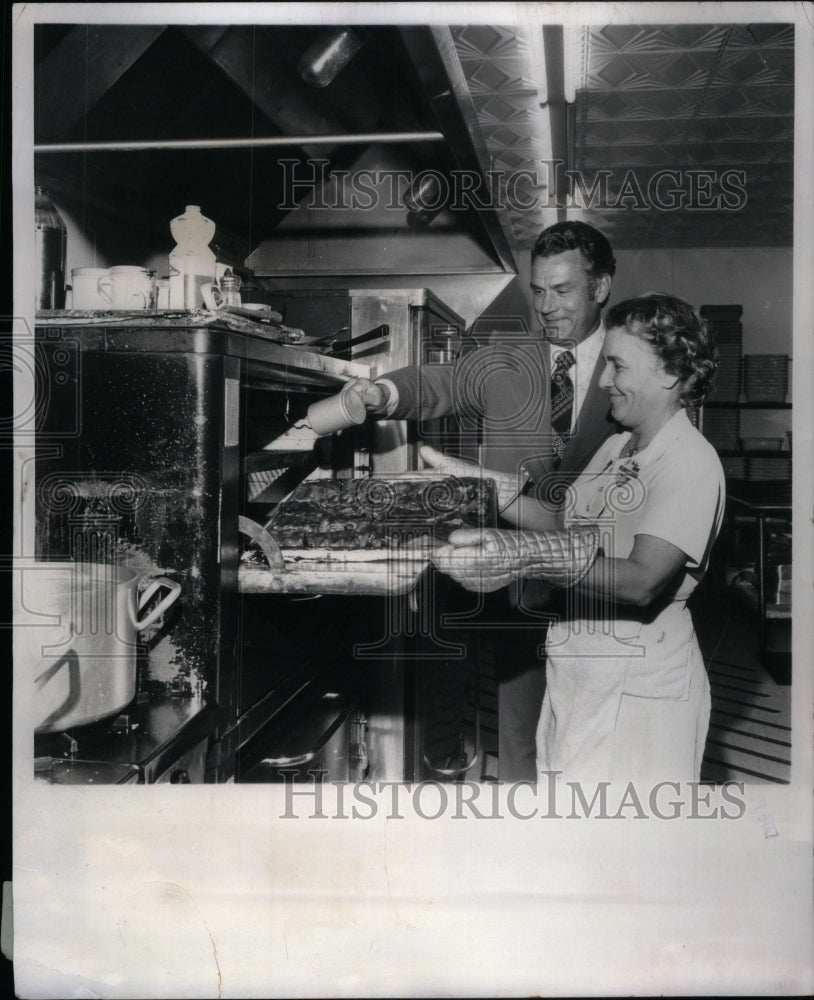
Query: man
x=543, y=416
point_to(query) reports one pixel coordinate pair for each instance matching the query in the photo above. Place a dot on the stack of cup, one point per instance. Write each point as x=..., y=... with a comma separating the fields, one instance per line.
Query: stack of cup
x=122, y=288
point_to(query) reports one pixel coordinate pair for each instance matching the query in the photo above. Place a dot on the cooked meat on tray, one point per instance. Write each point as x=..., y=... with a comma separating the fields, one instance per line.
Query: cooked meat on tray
x=379, y=513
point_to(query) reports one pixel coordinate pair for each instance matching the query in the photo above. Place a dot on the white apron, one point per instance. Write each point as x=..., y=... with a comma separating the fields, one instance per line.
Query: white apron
x=627, y=696
x=620, y=712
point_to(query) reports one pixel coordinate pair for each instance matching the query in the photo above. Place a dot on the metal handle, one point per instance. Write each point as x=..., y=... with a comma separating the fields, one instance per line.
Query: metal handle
x=454, y=771
x=381, y=332
x=170, y=598
x=257, y=533
x=309, y=755
x=104, y=286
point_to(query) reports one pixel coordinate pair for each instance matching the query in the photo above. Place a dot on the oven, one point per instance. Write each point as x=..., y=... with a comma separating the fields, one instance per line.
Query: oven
x=151, y=453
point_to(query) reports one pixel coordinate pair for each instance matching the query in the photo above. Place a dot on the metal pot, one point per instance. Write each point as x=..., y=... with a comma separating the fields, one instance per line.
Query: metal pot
x=79, y=624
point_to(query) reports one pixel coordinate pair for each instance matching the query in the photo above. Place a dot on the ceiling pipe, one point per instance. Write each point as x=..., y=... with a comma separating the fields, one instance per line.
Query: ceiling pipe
x=342, y=139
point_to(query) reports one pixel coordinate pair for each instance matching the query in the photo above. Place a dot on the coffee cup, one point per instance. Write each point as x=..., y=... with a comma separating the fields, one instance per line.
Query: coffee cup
x=128, y=287
x=335, y=413
x=84, y=288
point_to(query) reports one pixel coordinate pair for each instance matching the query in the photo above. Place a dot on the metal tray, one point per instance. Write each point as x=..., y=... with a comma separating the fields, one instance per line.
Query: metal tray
x=343, y=571
x=331, y=571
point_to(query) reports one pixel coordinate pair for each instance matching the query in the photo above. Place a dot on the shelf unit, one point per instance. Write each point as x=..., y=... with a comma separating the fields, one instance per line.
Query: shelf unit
x=765, y=501
x=753, y=453
x=732, y=404
x=765, y=512
x=760, y=453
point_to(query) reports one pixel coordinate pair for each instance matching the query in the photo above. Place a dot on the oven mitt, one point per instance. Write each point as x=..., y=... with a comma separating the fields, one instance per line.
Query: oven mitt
x=507, y=485
x=488, y=559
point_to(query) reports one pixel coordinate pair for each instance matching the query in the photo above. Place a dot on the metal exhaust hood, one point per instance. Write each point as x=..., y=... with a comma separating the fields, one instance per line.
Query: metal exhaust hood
x=351, y=228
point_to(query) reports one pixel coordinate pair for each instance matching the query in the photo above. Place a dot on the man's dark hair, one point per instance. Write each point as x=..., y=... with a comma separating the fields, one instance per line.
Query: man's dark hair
x=593, y=246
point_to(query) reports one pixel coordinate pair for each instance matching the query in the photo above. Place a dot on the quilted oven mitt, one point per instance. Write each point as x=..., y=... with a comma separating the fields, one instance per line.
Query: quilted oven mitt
x=484, y=560
x=508, y=485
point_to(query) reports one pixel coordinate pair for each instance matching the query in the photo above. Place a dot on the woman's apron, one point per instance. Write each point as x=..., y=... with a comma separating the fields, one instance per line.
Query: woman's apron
x=625, y=700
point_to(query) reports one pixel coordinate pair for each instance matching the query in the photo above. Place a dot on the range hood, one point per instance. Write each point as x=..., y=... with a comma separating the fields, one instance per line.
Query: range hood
x=329, y=242
x=358, y=228
x=398, y=111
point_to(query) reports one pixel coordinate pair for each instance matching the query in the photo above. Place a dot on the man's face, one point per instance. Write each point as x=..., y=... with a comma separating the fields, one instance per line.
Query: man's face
x=564, y=303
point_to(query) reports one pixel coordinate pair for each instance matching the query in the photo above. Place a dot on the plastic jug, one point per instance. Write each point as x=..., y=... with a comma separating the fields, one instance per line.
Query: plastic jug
x=192, y=263
x=51, y=239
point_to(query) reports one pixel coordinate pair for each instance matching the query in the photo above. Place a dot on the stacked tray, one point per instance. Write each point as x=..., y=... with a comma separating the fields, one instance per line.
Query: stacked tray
x=764, y=470
x=766, y=377
x=728, y=379
x=727, y=332
x=722, y=314
x=722, y=428
x=734, y=466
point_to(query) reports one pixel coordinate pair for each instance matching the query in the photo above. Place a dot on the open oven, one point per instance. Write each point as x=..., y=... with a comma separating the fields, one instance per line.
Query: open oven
x=152, y=454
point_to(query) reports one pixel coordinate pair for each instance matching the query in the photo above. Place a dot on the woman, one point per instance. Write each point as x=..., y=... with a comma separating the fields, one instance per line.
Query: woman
x=627, y=695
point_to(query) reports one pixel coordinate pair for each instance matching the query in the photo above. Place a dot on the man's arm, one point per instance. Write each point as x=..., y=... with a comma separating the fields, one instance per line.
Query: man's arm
x=426, y=392
x=410, y=393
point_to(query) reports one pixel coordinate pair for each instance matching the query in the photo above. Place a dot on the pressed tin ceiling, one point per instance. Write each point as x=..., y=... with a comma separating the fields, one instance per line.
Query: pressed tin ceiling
x=683, y=135
x=505, y=86
x=679, y=135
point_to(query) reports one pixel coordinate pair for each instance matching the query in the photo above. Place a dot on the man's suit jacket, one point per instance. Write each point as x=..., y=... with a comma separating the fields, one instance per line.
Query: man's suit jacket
x=507, y=385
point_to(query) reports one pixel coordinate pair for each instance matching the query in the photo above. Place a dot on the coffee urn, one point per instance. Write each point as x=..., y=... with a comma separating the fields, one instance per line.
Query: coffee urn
x=51, y=238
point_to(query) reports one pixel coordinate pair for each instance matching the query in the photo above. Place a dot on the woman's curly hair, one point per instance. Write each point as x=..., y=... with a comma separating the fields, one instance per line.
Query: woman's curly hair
x=678, y=335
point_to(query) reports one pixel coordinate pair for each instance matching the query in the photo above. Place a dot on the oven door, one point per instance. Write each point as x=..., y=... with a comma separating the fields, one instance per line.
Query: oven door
x=318, y=737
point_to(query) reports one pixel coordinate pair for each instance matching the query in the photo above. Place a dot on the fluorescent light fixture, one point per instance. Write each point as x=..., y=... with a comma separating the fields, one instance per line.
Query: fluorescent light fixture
x=536, y=61
x=573, y=69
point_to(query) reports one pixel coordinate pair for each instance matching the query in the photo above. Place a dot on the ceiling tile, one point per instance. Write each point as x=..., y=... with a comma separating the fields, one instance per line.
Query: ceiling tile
x=615, y=72
x=481, y=38
x=684, y=97
x=500, y=109
x=618, y=36
x=489, y=76
x=764, y=35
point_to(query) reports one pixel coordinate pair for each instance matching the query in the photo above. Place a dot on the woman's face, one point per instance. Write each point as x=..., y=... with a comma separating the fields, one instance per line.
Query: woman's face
x=640, y=391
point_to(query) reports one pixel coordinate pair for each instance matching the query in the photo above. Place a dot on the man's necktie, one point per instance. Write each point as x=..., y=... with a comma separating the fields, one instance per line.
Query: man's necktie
x=562, y=404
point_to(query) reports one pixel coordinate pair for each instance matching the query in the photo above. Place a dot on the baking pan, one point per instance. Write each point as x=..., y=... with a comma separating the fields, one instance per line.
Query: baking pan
x=335, y=570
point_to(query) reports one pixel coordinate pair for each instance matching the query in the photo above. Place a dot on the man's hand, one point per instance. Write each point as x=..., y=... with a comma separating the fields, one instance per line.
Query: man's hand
x=488, y=559
x=374, y=395
x=508, y=486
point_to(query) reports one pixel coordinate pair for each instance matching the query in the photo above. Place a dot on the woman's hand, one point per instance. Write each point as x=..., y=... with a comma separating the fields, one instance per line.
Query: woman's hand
x=488, y=559
x=479, y=559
